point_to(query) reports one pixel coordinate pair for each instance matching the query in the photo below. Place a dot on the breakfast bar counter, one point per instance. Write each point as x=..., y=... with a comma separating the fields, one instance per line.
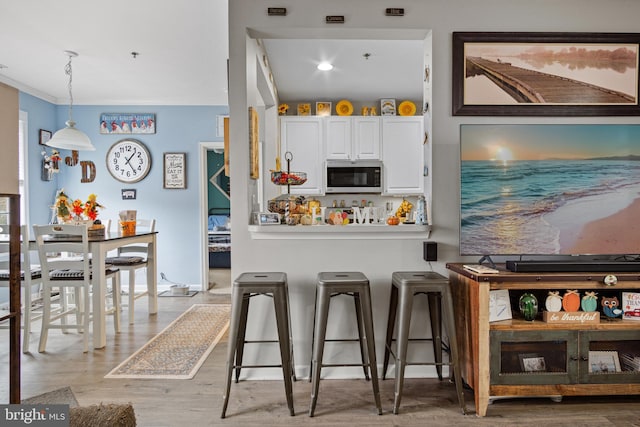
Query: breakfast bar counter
x=351, y=231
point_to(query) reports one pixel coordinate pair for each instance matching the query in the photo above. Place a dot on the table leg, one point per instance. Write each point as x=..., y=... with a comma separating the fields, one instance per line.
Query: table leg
x=99, y=281
x=152, y=276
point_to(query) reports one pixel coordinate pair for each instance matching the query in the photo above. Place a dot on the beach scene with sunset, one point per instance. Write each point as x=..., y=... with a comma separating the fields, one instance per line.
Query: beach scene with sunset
x=549, y=189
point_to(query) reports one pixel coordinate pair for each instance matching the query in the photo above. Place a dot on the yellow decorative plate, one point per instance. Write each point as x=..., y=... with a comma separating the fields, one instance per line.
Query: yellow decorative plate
x=344, y=108
x=407, y=108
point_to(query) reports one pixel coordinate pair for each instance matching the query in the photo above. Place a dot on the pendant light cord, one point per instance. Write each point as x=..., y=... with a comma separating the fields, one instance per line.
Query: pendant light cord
x=68, y=71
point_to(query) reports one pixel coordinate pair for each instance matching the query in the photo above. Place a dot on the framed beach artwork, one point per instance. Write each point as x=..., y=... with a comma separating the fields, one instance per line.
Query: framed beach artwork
x=545, y=74
x=549, y=189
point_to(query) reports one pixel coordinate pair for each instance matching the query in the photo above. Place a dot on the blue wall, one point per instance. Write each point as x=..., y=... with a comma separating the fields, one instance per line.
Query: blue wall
x=178, y=129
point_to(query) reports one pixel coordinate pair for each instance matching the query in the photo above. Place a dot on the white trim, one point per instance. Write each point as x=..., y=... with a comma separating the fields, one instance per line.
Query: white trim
x=23, y=117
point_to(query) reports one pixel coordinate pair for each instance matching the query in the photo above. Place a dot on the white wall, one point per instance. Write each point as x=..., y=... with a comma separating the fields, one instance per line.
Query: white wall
x=303, y=259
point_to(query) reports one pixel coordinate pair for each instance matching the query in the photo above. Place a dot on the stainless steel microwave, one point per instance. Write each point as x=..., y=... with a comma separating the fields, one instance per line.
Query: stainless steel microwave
x=361, y=176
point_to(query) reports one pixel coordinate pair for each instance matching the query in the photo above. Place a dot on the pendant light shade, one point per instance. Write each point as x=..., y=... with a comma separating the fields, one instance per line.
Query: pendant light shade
x=70, y=138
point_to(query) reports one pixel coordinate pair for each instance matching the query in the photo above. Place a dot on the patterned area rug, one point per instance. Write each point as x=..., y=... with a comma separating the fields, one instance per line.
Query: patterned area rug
x=181, y=348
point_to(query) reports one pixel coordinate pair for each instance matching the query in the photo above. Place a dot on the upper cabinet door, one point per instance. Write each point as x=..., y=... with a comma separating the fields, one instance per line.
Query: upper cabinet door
x=403, y=155
x=352, y=138
x=302, y=136
x=366, y=138
x=338, y=138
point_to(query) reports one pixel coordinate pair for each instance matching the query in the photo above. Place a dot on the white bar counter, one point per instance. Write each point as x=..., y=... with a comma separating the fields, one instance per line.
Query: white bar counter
x=350, y=231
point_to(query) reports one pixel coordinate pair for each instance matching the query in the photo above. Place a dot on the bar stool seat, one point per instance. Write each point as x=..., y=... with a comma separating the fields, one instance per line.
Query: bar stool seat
x=405, y=285
x=355, y=284
x=246, y=286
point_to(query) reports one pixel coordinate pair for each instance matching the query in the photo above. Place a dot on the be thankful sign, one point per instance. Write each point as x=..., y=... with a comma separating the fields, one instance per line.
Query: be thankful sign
x=584, y=317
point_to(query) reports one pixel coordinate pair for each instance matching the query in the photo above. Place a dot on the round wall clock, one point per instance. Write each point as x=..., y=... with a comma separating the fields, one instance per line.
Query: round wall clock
x=128, y=160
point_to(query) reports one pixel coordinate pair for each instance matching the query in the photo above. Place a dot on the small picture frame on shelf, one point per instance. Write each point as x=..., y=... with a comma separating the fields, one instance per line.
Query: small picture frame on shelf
x=388, y=107
x=532, y=362
x=304, y=109
x=323, y=108
x=602, y=362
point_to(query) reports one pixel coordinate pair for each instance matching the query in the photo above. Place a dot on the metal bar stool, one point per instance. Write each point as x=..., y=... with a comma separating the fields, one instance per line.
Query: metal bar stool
x=246, y=286
x=331, y=284
x=406, y=284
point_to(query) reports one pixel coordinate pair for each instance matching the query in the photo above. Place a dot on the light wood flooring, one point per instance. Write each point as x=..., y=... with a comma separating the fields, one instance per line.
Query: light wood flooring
x=197, y=402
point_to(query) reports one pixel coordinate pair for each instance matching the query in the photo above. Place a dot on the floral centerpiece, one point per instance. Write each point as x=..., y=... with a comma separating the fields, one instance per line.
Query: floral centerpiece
x=77, y=211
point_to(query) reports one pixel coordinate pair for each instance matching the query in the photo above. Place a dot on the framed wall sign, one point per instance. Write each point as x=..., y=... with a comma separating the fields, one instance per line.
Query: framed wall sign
x=127, y=123
x=175, y=170
x=545, y=74
x=45, y=136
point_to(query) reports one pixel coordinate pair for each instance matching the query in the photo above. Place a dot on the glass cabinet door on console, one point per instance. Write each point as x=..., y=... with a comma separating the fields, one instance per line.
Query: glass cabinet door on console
x=533, y=357
x=609, y=357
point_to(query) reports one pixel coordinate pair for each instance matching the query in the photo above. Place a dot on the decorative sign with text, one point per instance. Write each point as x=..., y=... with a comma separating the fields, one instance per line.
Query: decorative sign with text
x=175, y=170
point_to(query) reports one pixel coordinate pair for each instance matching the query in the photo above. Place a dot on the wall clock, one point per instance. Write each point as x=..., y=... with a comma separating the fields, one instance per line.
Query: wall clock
x=128, y=160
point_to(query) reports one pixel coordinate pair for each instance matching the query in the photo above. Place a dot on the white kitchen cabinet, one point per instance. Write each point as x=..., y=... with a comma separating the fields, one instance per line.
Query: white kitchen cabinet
x=403, y=155
x=303, y=137
x=352, y=138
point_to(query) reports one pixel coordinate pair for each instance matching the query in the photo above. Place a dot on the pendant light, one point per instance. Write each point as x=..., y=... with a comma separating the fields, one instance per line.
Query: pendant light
x=70, y=138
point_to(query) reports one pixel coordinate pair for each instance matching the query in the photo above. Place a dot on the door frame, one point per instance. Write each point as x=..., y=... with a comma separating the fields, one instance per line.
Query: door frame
x=205, y=146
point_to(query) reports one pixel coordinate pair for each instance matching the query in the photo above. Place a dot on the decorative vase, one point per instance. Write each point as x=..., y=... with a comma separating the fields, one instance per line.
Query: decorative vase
x=528, y=304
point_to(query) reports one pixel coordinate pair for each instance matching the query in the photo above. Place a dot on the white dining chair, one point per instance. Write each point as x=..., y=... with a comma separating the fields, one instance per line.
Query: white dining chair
x=131, y=258
x=64, y=253
x=30, y=279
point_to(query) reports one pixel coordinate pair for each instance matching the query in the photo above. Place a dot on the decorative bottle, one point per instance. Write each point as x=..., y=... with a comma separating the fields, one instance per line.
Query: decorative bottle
x=528, y=304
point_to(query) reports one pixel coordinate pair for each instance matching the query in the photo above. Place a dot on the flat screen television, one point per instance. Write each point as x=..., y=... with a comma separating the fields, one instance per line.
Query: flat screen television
x=550, y=189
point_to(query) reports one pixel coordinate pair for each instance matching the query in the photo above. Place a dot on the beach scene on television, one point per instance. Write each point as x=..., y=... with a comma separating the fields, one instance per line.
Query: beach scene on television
x=550, y=189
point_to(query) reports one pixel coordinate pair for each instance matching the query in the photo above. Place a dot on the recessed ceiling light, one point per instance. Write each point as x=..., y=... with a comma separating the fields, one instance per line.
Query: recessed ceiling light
x=325, y=66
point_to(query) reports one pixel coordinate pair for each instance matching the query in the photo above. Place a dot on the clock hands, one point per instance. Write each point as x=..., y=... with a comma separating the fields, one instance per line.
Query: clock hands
x=128, y=162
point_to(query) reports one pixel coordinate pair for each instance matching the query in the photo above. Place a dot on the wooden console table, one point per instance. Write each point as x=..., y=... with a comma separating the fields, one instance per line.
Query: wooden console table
x=492, y=353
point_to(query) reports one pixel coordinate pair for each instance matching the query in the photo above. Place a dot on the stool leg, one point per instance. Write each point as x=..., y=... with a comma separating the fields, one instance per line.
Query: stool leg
x=293, y=364
x=435, y=314
x=363, y=356
x=391, y=324
x=234, y=324
x=242, y=331
x=367, y=314
x=404, y=322
x=282, y=322
x=454, y=361
x=320, y=332
x=313, y=333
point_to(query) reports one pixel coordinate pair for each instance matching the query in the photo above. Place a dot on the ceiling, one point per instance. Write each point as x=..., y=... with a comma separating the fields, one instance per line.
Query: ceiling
x=364, y=70
x=183, y=50
x=182, y=56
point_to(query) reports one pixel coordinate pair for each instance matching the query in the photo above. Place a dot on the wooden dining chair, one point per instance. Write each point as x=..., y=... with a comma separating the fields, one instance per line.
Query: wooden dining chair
x=131, y=258
x=64, y=254
x=30, y=279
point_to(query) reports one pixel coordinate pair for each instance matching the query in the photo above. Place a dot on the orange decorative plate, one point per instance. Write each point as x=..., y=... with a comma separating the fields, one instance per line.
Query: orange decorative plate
x=407, y=108
x=344, y=108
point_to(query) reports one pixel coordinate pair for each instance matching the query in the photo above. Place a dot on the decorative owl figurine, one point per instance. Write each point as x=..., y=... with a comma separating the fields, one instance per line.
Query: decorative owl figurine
x=610, y=306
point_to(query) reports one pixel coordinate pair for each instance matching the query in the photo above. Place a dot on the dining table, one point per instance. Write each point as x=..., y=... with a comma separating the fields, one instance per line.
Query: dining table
x=99, y=246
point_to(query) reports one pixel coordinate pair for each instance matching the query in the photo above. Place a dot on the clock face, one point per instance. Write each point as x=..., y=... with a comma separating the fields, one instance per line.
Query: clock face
x=128, y=160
